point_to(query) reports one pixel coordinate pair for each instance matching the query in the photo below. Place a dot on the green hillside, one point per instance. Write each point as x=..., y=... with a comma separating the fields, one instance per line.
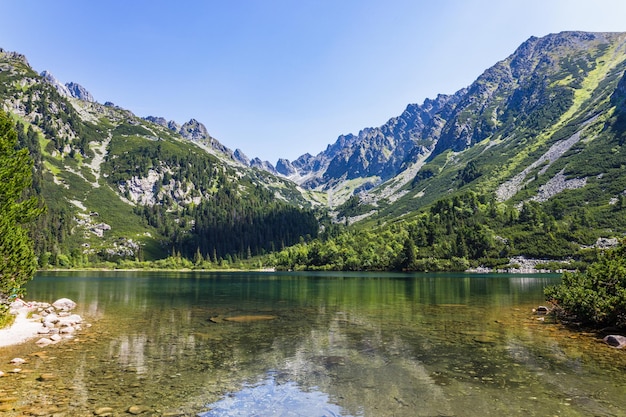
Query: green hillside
x=118, y=187
x=527, y=162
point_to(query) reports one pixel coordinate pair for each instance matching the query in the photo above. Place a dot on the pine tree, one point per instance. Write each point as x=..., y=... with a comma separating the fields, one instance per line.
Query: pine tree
x=17, y=258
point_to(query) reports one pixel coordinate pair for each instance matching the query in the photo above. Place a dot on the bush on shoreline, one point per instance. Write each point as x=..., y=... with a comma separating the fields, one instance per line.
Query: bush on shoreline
x=595, y=297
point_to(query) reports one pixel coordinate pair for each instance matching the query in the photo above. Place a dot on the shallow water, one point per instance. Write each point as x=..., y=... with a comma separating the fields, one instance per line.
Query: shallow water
x=270, y=344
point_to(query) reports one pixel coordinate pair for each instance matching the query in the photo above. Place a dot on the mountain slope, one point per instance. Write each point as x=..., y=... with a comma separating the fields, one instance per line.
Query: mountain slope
x=555, y=138
x=544, y=85
x=118, y=186
x=533, y=149
x=528, y=161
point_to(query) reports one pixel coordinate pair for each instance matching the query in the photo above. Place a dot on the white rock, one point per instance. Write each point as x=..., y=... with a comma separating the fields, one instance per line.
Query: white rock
x=75, y=319
x=55, y=337
x=51, y=318
x=43, y=342
x=17, y=361
x=68, y=330
x=43, y=330
x=64, y=304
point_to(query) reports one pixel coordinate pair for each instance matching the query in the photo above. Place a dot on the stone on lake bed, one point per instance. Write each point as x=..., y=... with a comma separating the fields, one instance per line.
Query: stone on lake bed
x=103, y=411
x=136, y=409
x=17, y=361
x=616, y=341
x=43, y=342
x=68, y=330
x=249, y=318
x=8, y=399
x=47, y=377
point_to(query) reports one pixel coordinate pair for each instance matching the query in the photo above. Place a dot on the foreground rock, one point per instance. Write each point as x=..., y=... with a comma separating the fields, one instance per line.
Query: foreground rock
x=51, y=322
x=616, y=341
x=64, y=304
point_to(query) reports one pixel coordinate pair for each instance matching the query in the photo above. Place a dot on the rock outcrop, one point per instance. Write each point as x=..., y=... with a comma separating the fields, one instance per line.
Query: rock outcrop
x=78, y=91
x=241, y=157
x=49, y=78
x=68, y=90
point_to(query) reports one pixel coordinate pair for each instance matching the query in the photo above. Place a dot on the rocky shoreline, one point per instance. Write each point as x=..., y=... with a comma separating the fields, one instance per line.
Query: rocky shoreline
x=521, y=265
x=48, y=323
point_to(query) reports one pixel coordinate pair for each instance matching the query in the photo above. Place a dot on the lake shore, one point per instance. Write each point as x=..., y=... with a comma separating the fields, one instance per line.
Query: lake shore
x=22, y=330
x=48, y=323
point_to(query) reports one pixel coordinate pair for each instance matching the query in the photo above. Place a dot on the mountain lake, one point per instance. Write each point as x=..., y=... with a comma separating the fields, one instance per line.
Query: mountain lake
x=310, y=344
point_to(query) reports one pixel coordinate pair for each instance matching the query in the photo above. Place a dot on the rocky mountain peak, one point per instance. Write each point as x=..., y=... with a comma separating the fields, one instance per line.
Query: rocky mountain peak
x=15, y=55
x=264, y=165
x=239, y=156
x=284, y=167
x=194, y=130
x=67, y=90
x=172, y=125
x=161, y=121
x=78, y=91
x=50, y=79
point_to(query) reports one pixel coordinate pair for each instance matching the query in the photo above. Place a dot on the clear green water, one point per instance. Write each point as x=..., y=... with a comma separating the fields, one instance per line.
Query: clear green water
x=312, y=345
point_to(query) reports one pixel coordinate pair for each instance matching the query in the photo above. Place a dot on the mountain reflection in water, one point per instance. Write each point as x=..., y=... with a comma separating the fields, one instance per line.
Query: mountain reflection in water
x=314, y=344
x=273, y=398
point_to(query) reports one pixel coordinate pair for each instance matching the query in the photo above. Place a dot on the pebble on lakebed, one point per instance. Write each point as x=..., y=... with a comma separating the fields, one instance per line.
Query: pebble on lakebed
x=617, y=341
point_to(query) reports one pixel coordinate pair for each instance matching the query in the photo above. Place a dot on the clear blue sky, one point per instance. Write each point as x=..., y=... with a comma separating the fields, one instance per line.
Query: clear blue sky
x=279, y=78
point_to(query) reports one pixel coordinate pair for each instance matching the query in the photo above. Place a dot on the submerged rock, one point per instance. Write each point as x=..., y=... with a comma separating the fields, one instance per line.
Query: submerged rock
x=248, y=318
x=137, y=409
x=48, y=376
x=616, y=341
x=103, y=411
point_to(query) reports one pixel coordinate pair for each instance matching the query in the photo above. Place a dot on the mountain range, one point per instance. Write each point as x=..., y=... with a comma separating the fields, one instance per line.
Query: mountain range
x=544, y=125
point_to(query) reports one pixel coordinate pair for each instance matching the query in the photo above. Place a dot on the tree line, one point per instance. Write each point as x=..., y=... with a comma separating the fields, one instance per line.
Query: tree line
x=456, y=233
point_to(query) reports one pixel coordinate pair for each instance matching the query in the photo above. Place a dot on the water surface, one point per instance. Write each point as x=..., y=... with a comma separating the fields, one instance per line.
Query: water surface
x=285, y=344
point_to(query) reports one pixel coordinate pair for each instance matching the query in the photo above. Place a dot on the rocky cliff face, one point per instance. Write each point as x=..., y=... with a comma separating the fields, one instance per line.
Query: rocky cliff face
x=68, y=90
x=195, y=131
x=241, y=157
x=78, y=91
x=380, y=152
x=528, y=91
x=61, y=88
x=286, y=168
x=521, y=89
x=264, y=165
